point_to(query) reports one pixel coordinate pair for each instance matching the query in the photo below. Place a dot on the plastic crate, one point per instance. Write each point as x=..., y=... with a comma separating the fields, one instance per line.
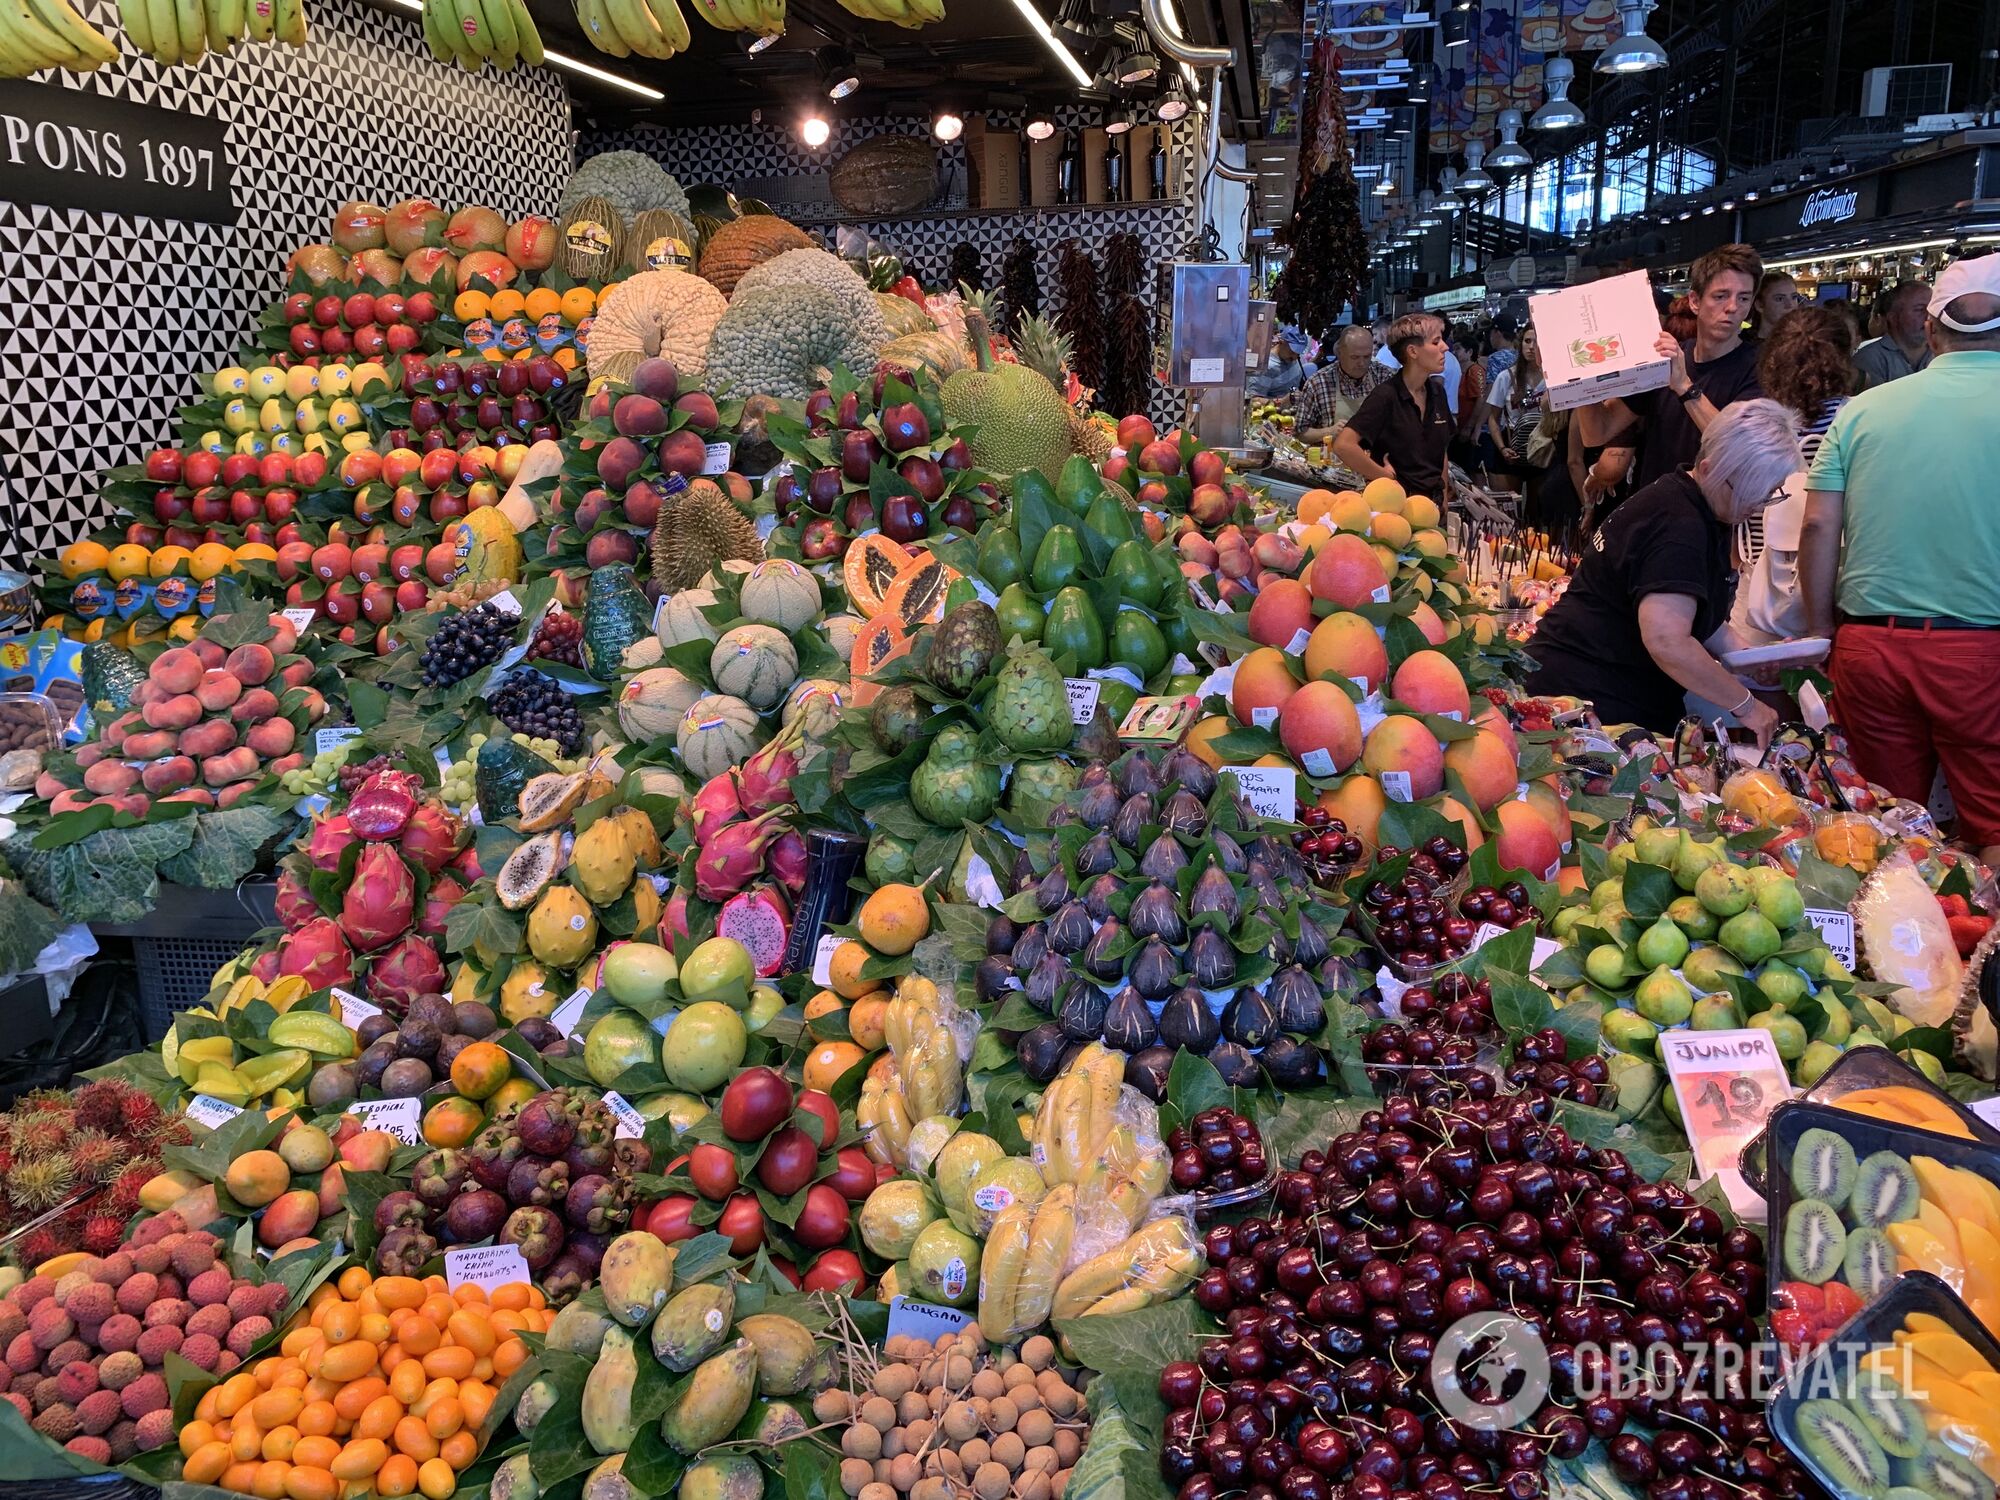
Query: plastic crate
x=174, y=974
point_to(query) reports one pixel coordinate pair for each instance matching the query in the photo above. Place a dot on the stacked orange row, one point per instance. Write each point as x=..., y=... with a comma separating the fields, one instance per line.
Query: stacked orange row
x=381, y=1390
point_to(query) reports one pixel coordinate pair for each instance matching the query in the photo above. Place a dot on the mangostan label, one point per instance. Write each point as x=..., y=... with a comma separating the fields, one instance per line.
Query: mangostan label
x=631, y=1124
x=569, y=1014
x=1083, y=695
x=353, y=1009
x=71, y=149
x=1836, y=930
x=205, y=1109
x=925, y=1320
x=487, y=1266
x=402, y=1118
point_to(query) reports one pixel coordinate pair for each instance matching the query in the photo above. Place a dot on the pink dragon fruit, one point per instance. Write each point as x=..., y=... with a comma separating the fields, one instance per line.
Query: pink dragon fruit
x=380, y=901
x=715, y=806
x=318, y=954
x=734, y=857
x=296, y=906
x=328, y=841
x=761, y=921
x=673, y=923
x=383, y=805
x=445, y=893
x=786, y=860
x=431, y=836
x=466, y=866
x=265, y=966
x=766, y=777
x=409, y=969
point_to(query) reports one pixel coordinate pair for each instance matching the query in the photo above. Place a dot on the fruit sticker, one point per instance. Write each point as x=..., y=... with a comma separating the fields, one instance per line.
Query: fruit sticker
x=551, y=333
x=173, y=597
x=668, y=253
x=480, y=334
x=88, y=601
x=1727, y=1082
x=130, y=597
x=587, y=237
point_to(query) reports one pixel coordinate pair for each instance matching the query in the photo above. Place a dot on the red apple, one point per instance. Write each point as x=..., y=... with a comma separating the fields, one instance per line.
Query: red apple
x=244, y=506
x=369, y=341
x=401, y=338
x=441, y=563
x=279, y=504
x=236, y=468
x=421, y=307
x=326, y=311
x=378, y=603
x=163, y=465
x=437, y=468
x=336, y=342
x=169, y=503
x=447, y=506
x=294, y=560
x=139, y=534
x=406, y=562
x=360, y=467
x=210, y=506
x=400, y=465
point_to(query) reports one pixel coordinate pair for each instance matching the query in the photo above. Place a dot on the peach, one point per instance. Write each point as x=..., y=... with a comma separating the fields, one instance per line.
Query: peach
x=251, y=664
x=239, y=764
x=1320, y=729
x=1403, y=754
x=1570, y=880
x=1548, y=802
x=138, y=804
x=211, y=738
x=178, y=712
x=200, y=796
x=90, y=753
x=168, y=775
x=110, y=778
x=48, y=787
x=281, y=644
x=290, y=1216
x=1280, y=612
x=1526, y=842
x=70, y=799
x=1200, y=735
x=1390, y=529
x=234, y=793
x=178, y=669
x=271, y=738
x=368, y=1150
x=1430, y=683
x=124, y=724
x=284, y=763
x=296, y=673
x=315, y=705
x=145, y=692
x=1385, y=494
x=1485, y=765
x=1358, y=802
x=1426, y=619
x=219, y=688
x=1347, y=572
x=1345, y=645
x=211, y=654
x=258, y=1177
x=1471, y=832
x=256, y=705
x=1263, y=682
x=152, y=745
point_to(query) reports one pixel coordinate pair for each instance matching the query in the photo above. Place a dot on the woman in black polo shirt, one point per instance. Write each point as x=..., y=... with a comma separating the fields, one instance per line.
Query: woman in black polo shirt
x=1403, y=430
x=1655, y=583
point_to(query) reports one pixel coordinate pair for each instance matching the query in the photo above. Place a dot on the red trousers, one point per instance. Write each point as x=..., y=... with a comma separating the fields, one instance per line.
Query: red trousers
x=1914, y=700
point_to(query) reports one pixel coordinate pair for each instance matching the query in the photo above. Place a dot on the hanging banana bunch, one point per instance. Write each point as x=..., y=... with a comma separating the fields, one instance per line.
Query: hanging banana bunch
x=764, y=17
x=37, y=34
x=910, y=13
x=651, y=28
x=471, y=32
x=183, y=31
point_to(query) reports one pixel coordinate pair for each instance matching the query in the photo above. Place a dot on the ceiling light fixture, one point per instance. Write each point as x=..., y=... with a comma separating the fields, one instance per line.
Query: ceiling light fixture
x=814, y=131
x=1120, y=122
x=947, y=125
x=1448, y=186
x=1633, y=52
x=1040, y=27
x=570, y=64
x=1173, y=103
x=1560, y=113
x=1475, y=179
x=1385, y=187
x=1138, y=67
x=1041, y=125
x=837, y=73
x=1510, y=155
x=1420, y=85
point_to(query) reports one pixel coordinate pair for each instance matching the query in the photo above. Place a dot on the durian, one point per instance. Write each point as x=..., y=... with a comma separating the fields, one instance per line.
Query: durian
x=699, y=533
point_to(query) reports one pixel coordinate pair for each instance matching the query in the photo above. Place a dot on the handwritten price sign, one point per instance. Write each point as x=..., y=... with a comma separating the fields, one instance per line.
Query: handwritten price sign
x=1727, y=1083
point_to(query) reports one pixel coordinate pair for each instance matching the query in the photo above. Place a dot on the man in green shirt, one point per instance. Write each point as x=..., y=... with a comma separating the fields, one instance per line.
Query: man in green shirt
x=1900, y=560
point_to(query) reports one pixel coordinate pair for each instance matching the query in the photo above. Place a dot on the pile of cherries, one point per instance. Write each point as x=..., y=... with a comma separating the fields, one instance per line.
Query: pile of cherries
x=1503, y=905
x=1217, y=1151
x=1413, y=917
x=1541, y=1062
x=1326, y=846
x=1321, y=1389
x=1432, y=1053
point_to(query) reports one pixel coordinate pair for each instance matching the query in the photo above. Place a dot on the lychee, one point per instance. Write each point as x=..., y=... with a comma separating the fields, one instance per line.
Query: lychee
x=45, y=1394
x=147, y=1393
x=194, y=1255
x=137, y=1292
x=171, y=1312
x=243, y=1337
x=35, y=1290
x=115, y=1268
x=116, y=1371
x=212, y=1285
x=96, y=1412
x=67, y=1352
x=124, y=1440
x=156, y=1430
x=201, y=1349
x=213, y=1320
x=159, y=1227
x=93, y=1448
x=49, y=1325
x=225, y=1362
x=119, y=1331
x=155, y=1344
x=92, y=1302
x=77, y=1379
x=66, y=1286
x=149, y=1257
x=57, y=1421
x=22, y=1355
x=19, y=1402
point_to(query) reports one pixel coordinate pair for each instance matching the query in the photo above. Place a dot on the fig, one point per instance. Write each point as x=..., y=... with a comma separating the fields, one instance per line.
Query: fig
x=1190, y=771
x=1311, y=948
x=1291, y=1064
x=1070, y=928
x=1029, y=947
x=1045, y=982
x=1211, y=960
x=1052, y=890
x=1156, y=913
x=1134, y=814
x=1002, y=933
x=1213, y=893
x=1103, y=958
x=1238, y=1068
x=1098, y=805
x=1100, y=893
x=1098, y=856
x=1041, y=1051
x=1128, y=1024
x=1081, y=1014
x=993, y=978
x=1186, y=1021
x=1295, y=1001
x=1154, y=970
x=1248, y=1019
x=1147, y=1071
x=1228, y=853
x=475, y=1216
x=1185, y=813
x=1164, y=858
x=1138, y=776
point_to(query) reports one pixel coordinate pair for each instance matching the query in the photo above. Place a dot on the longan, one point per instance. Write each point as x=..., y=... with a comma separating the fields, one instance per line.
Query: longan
x=989, y=1383
x=905, y=1471
x=1009, y=1450
x=934, y=1487
x=883, y=1469
x=1039, y=1352
x=877, y=1492
x=1068, y=1445
x=1002, y=1414
x=918, y=1433
x=1041, y=1460
x=1033, y=1486
x=1017, y=1375
x=958, y=1372
x=878, y=1414
x=1058, y=1484
x=991, y=1481
x=893, y=1382
x=862, y=1441
x=856, y=1474
x=832, y=1406
x=939, y=1399
x=893, y=1442
x=912, y=1408
x=974, y=1452
x=1036, y=1428
x=1026, y=1397
x=1060, y=1399
x=951, y=1463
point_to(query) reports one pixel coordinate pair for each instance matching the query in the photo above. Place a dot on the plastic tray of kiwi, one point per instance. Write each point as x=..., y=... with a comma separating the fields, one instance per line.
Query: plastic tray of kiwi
x=1862, y=1433
x=1864, y=1068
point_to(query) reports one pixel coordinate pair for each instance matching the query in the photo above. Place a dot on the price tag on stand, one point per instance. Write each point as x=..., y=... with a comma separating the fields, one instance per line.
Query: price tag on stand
x=205, y=1109
x=1083, y=695
x=1271, y=791
x=569, y=1015
x=352, y=1009
x=402, y=1118
x=823, y=951
x=301, y=620
x=925, y=1320
x=1727, y=1084
x=332, y=739
x=1836, y=930
x=487, y=1266
x=717, y=461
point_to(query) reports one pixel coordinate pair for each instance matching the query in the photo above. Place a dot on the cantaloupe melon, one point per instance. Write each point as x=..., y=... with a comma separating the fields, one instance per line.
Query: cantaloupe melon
x=780, y=593
x=682, y=620
x=716, y=732
x=652, y=704
x=755, y=663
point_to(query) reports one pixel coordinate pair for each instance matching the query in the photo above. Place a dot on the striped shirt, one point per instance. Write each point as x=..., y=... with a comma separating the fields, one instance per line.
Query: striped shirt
x=1750, y=534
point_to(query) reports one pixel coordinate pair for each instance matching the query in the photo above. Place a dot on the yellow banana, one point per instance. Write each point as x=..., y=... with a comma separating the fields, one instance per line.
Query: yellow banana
x=261, y=19
x=1095, y=1279
x=673, y=25
x=131, y=15
x=1125, y=1299
x=27, y=46
x=1048, y=1248
x=290, y=22
x=529, y=38
x=1001, y=1271
x=214, y=15
x=636, y=25
x=77, y=35
x=1167, y=1274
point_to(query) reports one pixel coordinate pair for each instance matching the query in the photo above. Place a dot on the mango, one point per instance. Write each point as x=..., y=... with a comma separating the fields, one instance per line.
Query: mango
x=608, y=1482
x=730, y=1476
x=693, y=1325
x=636, y=1273
x=714, y=1401
x=608, y=1423
x=164, y=1189
x=579, y=1330
x=784, y=1352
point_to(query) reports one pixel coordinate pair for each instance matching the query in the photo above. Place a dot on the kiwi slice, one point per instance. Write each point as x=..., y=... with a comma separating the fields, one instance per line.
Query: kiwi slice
x=1885, y=1191
x=1835, y=1439
x=1888, y=1415
x=1815, y=1240
x=1823, y=1166
x=1944, y=1475
x=1869, y=1264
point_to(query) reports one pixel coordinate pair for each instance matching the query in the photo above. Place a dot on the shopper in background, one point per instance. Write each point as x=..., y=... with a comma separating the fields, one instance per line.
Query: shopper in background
x=1848, y=314
x=1901, y=553
x=1654, y=583
x=1500, y=345
x=1285, y=370
x=1707, y=372
x=1469, y=407
x=1403, y=430
x=1328, y=401
x=1513, y=409
x=1777, y=294
x=1904, y=347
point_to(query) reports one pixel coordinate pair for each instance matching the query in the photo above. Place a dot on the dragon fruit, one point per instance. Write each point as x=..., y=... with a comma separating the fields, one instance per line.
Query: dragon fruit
x=318, y=954
x=766, y=777
x=760, y=920
x=445, y=893
x=715, y=806
x=734, y=857
x=329, y=840
x=296, y=906
x=409, y=969
x=380, y=901
x=384, y=805
x=265, y=966
x=466, y=866
x=431, y=836
x=673, y=923
x=786, y=860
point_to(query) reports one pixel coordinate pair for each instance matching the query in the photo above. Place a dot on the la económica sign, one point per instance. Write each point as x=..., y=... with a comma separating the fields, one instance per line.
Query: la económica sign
x=70, y=149
x=1830, y=206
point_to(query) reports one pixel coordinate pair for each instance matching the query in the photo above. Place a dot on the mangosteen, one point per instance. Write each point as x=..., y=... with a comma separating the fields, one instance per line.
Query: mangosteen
x=595, y=1203
x=546, y=1125
x=400, y=1209
x=491, y=1155
x=375, y=1060
x=1081, y=1014
x=1041, y=1051
x=474, y=1018
x=631, y=1156
x=1238, y=1068
x=588, y=1246
x=1128, y=1024
x=536, y=1181
x=439, y=1177
x=406, y=1077
x=1001, y=934
x=993, y=978
x=539, y=1233
x=476, y=1215
x=373, y=1029
x=404, y=1252
x=1147, y=1071
x=1186, y=1021
x=568, y=1274
x=434, y=1011
x=537, y=1031
x=335, y=1083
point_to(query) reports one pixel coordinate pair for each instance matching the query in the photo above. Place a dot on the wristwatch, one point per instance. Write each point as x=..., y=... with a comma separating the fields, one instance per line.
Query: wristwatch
x=1688, y=395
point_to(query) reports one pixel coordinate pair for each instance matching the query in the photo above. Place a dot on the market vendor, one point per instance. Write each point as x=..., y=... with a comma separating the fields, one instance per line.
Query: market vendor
x=1285, y=370
x=1655, y=583
x=1328, y=401
x=1403, y=430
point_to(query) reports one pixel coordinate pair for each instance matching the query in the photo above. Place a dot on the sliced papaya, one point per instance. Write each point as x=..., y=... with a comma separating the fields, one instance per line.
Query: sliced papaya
x=879, y=642
x=917, y=596
x=870, y=567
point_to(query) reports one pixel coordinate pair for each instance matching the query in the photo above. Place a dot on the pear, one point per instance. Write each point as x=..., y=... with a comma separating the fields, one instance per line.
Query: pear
x=1663, y=945
x=1662, y=998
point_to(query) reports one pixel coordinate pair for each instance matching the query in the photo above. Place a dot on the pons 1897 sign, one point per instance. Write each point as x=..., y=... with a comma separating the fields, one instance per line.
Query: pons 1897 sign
x=71, y=149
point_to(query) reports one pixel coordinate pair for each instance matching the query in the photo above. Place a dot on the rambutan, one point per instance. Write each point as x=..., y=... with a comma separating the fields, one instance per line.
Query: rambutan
x=95, y=1157
x=41, y=1101
x=44, y=1134
x=141, y=1113
x=6, y=1160
x=42, y=1245
x=41, y=1183
x=100, y=1105
x=103, y=1234
x=124, y=1191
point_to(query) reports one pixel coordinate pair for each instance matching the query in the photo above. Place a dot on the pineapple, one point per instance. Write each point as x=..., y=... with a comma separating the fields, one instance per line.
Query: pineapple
x=1045, y=349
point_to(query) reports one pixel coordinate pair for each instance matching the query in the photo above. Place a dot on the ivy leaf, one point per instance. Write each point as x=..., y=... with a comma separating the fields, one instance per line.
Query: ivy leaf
x=226, y=846
x=1117, y=1465
x=557, y=1449
x=485, y=928
x=1129, y=1350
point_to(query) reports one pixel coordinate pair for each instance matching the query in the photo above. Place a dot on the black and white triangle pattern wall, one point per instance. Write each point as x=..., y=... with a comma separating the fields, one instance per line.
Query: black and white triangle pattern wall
x=107, y=322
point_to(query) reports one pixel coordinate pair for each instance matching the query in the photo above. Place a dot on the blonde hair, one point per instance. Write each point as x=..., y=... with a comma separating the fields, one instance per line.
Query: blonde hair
x=1749, y=450
x=1412, y=328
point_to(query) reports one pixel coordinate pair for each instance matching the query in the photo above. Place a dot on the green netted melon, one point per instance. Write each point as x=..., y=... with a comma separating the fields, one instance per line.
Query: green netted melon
x=682, y=620
x=780, y=593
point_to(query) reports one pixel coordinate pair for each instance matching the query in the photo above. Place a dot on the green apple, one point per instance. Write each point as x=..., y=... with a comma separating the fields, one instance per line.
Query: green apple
x=719, y=969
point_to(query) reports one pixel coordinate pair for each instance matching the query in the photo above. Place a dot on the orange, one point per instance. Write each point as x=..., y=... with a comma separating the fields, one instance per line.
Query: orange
x=825, y=1003
x=542, y=301
x=249, y=551
x=508, y=304
x=209, y=559
x=186, y=628
x=96, y=629
x=866, y=1018
x=469, y=305
x=826, y=1062
x=166, y=559
x=79, y=558
x=577, y=304
x=566, y=357
x=128, y=561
